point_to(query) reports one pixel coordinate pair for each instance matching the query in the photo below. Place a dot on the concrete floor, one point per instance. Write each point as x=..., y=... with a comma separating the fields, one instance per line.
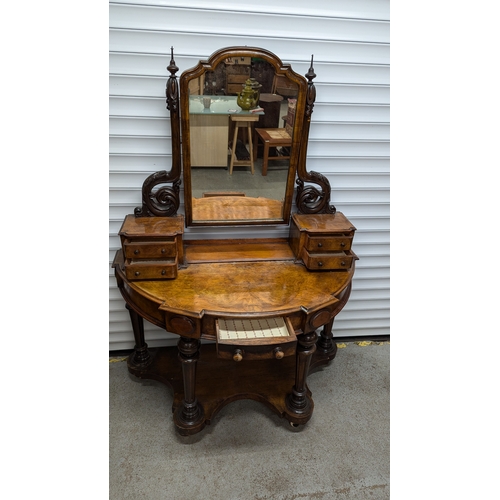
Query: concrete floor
x=248, y=452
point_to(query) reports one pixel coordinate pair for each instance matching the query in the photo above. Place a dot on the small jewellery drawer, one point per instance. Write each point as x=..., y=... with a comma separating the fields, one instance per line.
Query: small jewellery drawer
x=150, y=270
x=318, y=261
x=252, y=339
x=327, y=243
x=150, y=249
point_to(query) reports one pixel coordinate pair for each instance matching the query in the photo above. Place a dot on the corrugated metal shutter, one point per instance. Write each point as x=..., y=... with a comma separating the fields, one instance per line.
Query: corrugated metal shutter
x=349, y=138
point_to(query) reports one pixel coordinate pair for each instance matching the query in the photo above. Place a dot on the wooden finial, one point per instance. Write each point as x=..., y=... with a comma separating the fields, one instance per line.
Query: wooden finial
x=172, y=67
x=310, y=75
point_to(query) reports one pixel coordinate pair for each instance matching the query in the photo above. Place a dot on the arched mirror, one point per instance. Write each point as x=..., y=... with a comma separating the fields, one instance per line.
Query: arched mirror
x=242, y=113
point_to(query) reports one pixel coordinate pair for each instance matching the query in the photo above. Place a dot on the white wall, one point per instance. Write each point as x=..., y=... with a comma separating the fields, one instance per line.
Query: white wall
x=349, y=138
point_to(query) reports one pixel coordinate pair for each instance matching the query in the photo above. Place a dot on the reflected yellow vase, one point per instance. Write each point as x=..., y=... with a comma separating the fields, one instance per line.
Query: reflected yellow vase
x=248, y=98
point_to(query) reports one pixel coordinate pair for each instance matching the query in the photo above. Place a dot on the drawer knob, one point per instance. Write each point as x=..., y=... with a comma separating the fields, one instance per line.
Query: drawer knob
x=278, y=353
x=163, y=250
x=342, y=263
x=163, y=272
x=320, y=264
x=237, y=355
x=137, y=273
x=320, y=245
x=136, y=252
x=342, y=244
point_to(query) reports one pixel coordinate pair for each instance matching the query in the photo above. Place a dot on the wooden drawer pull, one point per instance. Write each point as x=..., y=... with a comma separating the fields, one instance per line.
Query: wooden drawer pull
x=136, y=252
x=320, y=264
x=238, y=355
x=320, y=245
x=278, y=353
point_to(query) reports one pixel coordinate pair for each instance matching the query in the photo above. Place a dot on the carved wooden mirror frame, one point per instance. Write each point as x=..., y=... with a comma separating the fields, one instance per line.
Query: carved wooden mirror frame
x=160, y=191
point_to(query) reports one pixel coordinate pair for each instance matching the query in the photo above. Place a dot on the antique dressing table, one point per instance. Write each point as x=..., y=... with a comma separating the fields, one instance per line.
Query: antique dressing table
x=257, y=302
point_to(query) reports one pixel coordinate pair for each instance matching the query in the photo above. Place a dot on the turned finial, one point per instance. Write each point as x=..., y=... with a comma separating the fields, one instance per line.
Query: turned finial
x=172, y=67
x=311, y=74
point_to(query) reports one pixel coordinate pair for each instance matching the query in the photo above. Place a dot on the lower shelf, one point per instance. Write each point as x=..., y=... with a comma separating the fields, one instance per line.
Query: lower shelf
x=220, y=381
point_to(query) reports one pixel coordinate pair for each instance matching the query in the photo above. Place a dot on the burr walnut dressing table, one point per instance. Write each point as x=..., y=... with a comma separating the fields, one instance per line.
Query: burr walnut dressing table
x=257, y=303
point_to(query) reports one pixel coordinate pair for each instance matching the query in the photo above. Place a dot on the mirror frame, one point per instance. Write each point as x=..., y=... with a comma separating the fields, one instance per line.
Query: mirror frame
x=213, y=61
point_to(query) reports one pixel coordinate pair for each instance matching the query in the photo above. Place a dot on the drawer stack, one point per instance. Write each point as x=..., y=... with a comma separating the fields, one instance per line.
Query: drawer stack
x=323, y=241
x=152, y=247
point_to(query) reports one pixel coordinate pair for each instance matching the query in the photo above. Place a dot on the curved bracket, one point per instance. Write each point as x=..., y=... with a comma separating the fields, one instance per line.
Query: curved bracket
x=309, y=199
x=164, y=202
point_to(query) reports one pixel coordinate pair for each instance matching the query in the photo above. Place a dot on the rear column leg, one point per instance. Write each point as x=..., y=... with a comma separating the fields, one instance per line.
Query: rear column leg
x=140, y=357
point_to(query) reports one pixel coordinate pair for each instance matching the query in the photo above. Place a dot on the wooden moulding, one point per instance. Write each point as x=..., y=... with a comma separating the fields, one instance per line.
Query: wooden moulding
x=248, y=250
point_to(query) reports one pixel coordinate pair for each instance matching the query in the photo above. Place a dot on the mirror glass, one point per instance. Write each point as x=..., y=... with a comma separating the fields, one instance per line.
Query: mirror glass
x=239, y=162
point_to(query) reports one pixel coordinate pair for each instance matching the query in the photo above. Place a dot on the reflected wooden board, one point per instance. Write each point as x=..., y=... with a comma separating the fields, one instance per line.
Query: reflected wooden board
x=217, y=208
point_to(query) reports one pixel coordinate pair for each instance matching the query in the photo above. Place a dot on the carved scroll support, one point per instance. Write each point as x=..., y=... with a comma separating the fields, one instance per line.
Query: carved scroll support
x=311, y=199
x=160, y=191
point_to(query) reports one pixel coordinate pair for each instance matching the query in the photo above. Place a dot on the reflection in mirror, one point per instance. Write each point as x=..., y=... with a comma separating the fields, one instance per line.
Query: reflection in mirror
x=241, y=118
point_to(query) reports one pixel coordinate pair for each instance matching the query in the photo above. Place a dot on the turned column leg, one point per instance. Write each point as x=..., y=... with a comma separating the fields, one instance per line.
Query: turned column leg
x=140, y=357
x=325, y=344
x=189, y=417
x=298, y=403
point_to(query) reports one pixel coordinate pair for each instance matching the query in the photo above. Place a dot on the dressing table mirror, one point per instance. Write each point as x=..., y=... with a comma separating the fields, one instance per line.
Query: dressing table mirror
x=231, y=105
x=254, y=316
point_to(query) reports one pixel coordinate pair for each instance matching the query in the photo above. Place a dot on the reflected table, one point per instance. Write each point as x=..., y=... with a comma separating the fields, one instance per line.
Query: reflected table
x=210, y=128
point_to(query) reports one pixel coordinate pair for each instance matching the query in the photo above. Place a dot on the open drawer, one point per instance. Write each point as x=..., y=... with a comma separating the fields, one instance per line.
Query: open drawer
x=260, y=338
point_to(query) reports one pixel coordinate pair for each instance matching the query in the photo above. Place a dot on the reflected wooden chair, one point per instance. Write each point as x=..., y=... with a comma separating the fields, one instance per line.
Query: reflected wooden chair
x=276, y=137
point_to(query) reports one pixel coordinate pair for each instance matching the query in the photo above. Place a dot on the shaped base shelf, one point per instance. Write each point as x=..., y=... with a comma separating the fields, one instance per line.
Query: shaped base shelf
x=220, y=381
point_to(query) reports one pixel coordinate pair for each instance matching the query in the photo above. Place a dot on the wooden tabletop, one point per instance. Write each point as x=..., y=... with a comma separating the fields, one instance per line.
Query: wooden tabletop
x=276, y=287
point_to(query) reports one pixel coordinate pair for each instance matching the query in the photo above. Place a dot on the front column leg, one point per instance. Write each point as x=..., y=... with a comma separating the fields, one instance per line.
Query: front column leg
x=299, y=403
x=140, y=357
x=189, y=416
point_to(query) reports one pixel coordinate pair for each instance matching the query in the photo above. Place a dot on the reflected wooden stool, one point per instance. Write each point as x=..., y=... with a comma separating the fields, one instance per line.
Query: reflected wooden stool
x=241, y=121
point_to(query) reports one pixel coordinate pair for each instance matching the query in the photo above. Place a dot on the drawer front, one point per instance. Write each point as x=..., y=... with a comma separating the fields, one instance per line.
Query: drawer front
x=151, y=270
x=150, y=249
x=257, y=338
x=318, y=262
x=327, y=243
x=254, y=352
